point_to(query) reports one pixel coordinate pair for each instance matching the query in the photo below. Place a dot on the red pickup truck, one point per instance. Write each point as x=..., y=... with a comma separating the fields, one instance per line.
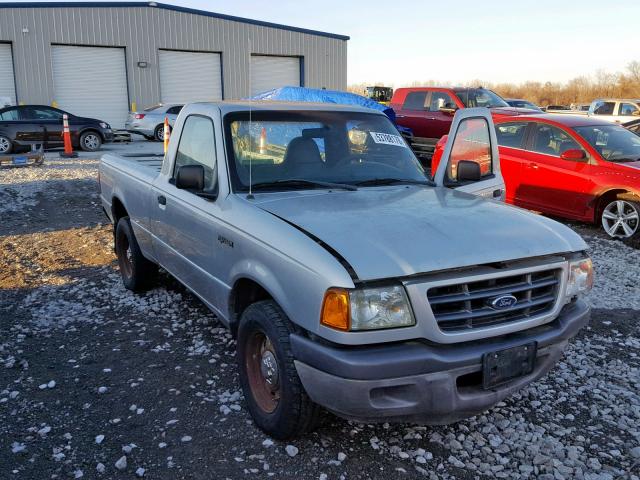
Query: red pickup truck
x=428, y=112
x=573, y=167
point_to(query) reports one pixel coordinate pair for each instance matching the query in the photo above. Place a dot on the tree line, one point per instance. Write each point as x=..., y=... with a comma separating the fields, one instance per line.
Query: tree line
x=582, y=89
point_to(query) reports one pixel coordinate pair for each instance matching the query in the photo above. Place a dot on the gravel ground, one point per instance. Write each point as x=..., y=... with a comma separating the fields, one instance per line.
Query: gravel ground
x=96, y=382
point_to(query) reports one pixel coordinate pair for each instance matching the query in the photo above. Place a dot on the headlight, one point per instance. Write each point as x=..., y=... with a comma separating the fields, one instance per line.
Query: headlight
x=580, y=277
x=367, y=309
x=104, y=125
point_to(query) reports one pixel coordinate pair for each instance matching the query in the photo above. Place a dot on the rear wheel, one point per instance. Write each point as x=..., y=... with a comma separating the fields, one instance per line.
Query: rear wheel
x=621, y=219
x=138, y=273
x=5, y=145
x=274, y=394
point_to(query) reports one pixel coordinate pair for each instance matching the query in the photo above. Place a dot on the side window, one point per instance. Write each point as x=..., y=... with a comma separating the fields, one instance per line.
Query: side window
x=174, y=110
x=511, y=134
x=40, y=113
x=9, y=115
x=415, y=101
x=604, y=108
x=471, y=143
x=552, y=140
x=197, y=147
x=628, y=109
x=439, y=100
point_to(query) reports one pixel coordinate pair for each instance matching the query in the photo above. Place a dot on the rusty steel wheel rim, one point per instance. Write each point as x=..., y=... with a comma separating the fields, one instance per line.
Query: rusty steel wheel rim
x=263, y=371
x=125, y=256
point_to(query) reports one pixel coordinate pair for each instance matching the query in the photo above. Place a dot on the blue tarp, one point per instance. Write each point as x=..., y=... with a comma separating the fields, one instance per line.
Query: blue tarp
x=301, y=94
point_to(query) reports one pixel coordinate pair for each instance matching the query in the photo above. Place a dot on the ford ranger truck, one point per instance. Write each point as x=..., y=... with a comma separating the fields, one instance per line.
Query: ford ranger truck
x=350, y=280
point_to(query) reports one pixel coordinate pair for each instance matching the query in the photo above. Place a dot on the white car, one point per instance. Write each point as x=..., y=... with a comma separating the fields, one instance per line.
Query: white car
x=150, y=122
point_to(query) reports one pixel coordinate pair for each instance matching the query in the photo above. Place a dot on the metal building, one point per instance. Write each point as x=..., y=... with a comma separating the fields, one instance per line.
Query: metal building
x=99, y=59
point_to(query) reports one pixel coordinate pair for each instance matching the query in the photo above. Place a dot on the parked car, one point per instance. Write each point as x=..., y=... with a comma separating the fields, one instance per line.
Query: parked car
x=25, y=125
x=521, y=103
x=573, y=167
x=558, y=109
x=428, y=112
x=348, y=278
x=614, y=110
x=150, y=122
x=633, y=126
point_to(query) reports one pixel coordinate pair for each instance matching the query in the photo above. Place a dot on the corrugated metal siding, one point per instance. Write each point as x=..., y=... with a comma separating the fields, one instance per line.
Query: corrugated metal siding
x=269, y=72
x=205, y=76
x=7, y=83
x=143, y=31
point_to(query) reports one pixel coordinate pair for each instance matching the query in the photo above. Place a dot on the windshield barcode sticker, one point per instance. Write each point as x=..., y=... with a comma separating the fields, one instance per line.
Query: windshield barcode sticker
x=388, y=139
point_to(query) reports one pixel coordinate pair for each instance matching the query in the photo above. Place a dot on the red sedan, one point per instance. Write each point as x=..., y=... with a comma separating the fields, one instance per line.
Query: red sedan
x=572, y=167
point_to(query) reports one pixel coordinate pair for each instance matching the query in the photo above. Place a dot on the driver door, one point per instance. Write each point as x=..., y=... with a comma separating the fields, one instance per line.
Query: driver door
x=472, y=139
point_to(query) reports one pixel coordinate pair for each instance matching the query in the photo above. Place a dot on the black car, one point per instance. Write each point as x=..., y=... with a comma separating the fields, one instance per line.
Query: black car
x=26, y=125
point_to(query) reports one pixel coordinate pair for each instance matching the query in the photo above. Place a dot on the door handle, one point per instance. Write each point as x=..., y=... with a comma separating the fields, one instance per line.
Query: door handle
x=162, y=200
x=400, y=116
x=533, y=166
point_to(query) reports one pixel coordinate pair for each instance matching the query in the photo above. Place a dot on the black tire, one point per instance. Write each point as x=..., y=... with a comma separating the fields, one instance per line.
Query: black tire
x=138, y=273
x=151, y=138
x=620, y=219
x=293, y=412
x=90, y=141
x=158, y=133
x=6, y=145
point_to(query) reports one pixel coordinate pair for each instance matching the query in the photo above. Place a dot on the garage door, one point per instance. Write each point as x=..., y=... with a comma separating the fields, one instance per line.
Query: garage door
x=189, y=77
x=91, y=82
x=7, y=80
x=269, y=72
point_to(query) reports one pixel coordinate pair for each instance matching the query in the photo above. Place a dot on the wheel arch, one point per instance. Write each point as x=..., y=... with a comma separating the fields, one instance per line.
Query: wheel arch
x=608, y=196
x=245, y=291
x=90, y=129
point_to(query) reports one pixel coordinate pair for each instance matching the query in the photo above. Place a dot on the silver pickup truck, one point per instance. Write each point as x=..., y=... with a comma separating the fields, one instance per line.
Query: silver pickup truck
x=350, y=279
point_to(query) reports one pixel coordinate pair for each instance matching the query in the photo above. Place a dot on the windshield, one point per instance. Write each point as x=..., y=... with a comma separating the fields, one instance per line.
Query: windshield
x=292, y=150
x=480, y=97
x=613, y=143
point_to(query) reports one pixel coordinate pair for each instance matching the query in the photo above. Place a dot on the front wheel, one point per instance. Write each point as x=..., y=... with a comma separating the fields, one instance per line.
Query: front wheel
x=5, y=145
x=621, y=219
x=274, y=394
x=90, y=141
x=158, y=133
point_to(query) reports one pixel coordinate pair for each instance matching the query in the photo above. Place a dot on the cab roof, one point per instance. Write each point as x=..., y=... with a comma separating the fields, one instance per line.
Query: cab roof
x=267, y=105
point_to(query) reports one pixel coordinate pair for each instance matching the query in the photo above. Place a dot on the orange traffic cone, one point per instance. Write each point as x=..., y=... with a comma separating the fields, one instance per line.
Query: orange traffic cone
x=167, y=134
x=263, y=141
x=66, y=135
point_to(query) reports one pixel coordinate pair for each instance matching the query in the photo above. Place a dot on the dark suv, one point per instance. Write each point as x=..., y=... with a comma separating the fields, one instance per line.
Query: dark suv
x=26, y=125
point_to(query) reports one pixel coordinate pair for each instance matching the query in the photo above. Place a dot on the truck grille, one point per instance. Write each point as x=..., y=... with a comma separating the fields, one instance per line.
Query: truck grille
x=464, y=306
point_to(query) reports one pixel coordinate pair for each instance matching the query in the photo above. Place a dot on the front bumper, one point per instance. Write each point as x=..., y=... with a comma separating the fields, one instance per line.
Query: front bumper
x=423, y=383
x=108, y=135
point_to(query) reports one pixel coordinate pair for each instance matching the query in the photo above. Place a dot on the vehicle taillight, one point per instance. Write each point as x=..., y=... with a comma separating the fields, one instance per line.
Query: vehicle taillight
x=139, y=116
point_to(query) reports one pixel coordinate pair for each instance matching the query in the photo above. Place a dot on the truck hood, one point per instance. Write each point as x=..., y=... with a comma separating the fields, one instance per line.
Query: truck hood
x=398, y=231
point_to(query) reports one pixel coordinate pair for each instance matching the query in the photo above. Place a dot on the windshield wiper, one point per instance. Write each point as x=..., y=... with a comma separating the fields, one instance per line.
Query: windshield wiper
x=624, y=160
x=394, y=181
x=299, y=182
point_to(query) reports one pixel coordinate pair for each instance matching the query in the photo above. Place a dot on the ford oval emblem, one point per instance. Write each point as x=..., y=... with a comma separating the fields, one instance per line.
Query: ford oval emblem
x=502, y=302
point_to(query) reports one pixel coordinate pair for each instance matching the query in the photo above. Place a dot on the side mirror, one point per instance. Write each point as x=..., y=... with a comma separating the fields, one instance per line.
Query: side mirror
x=468, y=171
x=636, y=113
x=448, y=110
x=190, y=177
x=574, y=154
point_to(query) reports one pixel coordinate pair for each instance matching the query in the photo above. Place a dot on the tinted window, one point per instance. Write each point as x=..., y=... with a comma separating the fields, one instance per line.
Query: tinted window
x=471, y=143
x=439, y=100
x=415, y=101
x=511, y=134
x=11, y=114
x=628, y=109
x=604, y=108
x=552, y=140
x=197, y=147
x=480, y=97
x=174, y=110
x=41, y=113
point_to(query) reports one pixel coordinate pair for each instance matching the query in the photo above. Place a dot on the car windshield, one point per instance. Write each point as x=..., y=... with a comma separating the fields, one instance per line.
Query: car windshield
x=285, y=150
x=613, y=142
x=480, y=97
